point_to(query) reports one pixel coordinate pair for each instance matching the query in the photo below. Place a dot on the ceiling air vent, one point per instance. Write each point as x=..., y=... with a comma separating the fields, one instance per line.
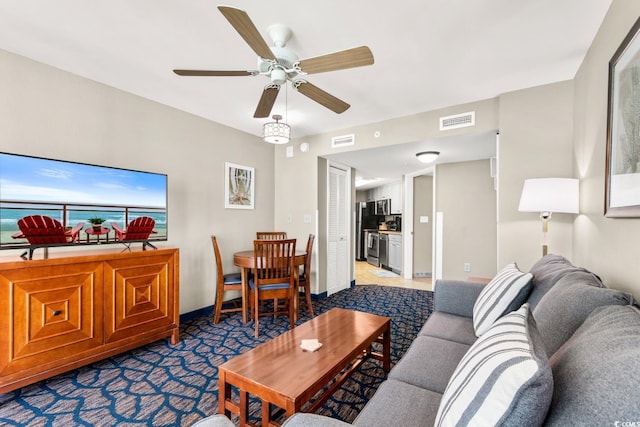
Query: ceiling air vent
x=343, y=141
x=458, y=121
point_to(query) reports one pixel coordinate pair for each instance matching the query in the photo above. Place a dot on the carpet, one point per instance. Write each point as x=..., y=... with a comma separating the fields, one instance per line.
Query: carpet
x=385, y=273
x=175, y=385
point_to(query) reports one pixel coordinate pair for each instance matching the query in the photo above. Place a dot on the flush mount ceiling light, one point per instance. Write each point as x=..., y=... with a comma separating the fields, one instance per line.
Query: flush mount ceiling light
x=428, y=156
x=276, y=132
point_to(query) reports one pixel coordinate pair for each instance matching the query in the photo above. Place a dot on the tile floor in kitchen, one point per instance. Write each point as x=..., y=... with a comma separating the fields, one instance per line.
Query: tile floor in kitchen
x=366, y=275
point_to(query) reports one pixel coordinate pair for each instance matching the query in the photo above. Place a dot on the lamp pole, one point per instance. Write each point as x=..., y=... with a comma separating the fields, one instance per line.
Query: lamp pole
x=544, y=216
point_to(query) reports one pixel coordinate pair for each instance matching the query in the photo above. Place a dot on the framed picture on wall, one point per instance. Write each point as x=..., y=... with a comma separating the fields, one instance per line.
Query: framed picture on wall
x=239, y=185
x=622, y=171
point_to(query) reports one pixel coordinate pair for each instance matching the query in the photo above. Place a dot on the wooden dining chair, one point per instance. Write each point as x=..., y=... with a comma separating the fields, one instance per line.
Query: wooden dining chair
x=271, y=235
x=225, y=282
x=304, y=282
x=274, y=278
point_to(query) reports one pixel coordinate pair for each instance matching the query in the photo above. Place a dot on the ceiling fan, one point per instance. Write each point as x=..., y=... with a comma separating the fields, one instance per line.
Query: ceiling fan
x=281, y=64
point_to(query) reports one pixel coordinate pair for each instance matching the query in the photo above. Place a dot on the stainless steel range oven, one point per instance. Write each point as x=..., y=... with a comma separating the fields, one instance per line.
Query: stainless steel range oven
x=373, y=247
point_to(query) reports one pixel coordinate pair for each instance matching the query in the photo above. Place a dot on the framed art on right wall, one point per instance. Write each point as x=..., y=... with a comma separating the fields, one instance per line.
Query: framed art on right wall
x=622, y=170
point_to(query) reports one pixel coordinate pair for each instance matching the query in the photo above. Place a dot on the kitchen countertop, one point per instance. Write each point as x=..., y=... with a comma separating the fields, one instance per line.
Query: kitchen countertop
x=389, y=232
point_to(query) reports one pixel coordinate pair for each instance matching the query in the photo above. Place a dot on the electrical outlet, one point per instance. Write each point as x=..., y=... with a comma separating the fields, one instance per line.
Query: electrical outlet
x=467, y=267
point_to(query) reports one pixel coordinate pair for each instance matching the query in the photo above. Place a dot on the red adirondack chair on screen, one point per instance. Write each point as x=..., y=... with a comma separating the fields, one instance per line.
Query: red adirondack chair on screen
x=43, y=231
x=138, y=230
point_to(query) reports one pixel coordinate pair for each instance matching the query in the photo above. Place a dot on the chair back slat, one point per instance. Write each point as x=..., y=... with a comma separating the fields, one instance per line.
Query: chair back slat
x=271, y=235
x=273, y=260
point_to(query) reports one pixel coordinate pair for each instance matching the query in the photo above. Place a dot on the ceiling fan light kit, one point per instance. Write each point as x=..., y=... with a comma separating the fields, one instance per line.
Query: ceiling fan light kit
x=276, y=132
x=280, y=65
x=428, y=156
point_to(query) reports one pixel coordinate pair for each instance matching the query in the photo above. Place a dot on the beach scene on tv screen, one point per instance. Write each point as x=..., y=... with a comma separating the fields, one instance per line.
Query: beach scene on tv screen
x=74, y=192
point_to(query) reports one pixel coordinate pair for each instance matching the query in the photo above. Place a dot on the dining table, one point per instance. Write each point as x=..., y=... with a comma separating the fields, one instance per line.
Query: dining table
x=245, y=260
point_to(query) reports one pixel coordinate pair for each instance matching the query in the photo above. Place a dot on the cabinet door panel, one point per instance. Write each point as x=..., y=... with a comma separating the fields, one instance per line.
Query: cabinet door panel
x=51, y=313
x=140, y=295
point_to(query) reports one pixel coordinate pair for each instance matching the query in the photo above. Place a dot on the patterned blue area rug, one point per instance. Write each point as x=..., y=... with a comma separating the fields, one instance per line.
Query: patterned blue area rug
x=164, y=385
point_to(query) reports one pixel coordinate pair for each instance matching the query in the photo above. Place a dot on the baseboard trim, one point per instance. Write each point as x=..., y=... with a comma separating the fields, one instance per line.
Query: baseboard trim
x=201, y=312
x=208, y=310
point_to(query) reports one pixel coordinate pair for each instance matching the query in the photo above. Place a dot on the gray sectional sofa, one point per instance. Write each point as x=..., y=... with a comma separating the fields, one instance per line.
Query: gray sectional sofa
x=581, y=359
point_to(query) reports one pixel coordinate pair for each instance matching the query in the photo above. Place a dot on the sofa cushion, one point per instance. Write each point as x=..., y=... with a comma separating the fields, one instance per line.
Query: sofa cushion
x=567, y=304
x=396, y=403
x=596, y=372
x=214, y=421
x=429, y=363
x=449, y=327
x=456, y=296
x=546, y=273
x=504, y=379
x=504, y=293
x=301, y=419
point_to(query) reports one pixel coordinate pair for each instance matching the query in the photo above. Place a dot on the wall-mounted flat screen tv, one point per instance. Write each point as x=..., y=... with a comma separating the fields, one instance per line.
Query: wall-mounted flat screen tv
x=73, y=194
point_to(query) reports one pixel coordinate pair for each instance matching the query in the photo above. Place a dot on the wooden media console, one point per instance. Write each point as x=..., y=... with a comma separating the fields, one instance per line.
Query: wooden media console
x=72, y=309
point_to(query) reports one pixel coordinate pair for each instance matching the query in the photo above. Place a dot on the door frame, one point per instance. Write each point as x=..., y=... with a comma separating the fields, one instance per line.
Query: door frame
x=348, y=190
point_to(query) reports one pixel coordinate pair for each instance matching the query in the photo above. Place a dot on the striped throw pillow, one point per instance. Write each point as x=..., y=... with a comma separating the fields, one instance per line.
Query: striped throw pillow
x=503, y=294
x=503, y=379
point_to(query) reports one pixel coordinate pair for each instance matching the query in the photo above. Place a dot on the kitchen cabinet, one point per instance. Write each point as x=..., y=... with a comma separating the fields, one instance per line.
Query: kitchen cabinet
x=373, y=194
x=60, y=313
x=394, y=254
x=391, y=191
x=395, y=194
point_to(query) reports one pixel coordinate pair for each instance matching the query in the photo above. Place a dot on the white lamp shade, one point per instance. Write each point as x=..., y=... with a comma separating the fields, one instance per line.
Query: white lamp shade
x=558, y=195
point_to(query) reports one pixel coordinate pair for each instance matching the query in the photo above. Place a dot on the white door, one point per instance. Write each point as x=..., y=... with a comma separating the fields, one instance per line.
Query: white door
x=338, y=229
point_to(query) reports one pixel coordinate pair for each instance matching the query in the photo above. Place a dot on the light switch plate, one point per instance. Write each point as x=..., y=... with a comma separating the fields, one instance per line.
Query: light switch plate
x=307, y=219
x=424, y=219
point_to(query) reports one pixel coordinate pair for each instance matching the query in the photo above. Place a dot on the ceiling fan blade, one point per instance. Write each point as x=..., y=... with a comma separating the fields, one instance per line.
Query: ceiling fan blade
x=350, y=58
x=266, y=102
x=247, y=30
x=213, y=73
x=321, y=97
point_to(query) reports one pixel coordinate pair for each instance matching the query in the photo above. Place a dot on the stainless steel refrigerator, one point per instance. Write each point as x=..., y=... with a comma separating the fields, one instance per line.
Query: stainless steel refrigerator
x=365, y=220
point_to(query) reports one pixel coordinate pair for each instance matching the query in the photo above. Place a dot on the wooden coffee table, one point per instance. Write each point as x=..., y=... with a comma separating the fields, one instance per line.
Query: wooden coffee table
x=280, y=373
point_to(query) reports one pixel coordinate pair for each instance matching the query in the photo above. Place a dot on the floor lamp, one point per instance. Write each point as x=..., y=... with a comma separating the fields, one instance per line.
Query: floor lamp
x=548, y=195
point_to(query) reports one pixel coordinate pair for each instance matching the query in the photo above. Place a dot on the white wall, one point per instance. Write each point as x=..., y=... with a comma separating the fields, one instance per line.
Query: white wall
x=465, y=196
x=536, y=141
x=608, y=246
x=47, y=112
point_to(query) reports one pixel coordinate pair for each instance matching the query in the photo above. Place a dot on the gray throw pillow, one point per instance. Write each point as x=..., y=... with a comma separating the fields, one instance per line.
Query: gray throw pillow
x=563, y=309
x=597, y=371
x=504, y=379
x=546, y=272
x=506, y=292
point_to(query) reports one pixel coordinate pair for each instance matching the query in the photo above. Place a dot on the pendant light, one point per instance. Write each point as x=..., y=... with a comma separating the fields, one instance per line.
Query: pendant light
x=276, y=132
